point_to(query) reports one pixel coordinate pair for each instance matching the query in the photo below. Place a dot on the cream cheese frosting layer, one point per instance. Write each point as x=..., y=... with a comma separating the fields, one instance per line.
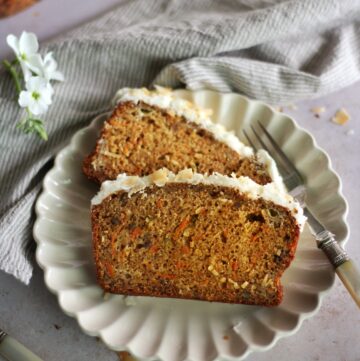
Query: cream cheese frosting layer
x=269, y=192
x=264, y=157
x=164, y=98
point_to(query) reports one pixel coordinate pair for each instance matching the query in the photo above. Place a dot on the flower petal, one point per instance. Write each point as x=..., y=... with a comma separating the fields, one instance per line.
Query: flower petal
x=58, y=75
x=26, y=71
x=49, y=62
x=50, y=66
x=49, y=88
x=28, y=43
x=35, y=64
x=46, y=95
x=38, y=107
x=36, y=83
x=25, y=99
x=13, y=42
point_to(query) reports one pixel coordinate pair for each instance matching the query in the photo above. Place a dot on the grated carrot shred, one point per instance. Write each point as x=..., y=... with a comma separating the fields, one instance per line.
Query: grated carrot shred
x=154, y=248
x=185, y=250
x=109, y=269
x=168, y=276
x=181, y=227
x=135, y=233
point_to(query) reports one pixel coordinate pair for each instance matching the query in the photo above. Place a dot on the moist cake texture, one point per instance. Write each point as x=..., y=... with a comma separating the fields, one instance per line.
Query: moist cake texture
x=149, y=130
x=212, y=238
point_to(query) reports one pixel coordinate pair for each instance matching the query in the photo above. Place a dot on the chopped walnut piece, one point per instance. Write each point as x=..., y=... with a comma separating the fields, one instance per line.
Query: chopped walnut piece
x=160, y=176
x=173, y=161
x=265, y=280
x=131, y=181
x=341, y=117
x=235, y=284
x=185, y=174
x=244, y=284
x=109, y=154
x=199, y=210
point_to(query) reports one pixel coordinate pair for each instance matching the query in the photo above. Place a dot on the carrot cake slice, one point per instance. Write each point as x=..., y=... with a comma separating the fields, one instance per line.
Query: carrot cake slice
x=187, y=235
x=149, y=130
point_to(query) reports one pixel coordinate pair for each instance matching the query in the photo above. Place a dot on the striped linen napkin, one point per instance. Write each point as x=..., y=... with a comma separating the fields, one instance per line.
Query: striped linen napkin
x=277, y=51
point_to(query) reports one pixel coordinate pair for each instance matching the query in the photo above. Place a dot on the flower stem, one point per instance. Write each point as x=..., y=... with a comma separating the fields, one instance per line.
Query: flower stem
x=9, y=67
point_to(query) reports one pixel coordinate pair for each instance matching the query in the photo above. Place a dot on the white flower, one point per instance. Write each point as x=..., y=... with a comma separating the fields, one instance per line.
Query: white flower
x=37, y=96
x=47, y=67
x=25, y=50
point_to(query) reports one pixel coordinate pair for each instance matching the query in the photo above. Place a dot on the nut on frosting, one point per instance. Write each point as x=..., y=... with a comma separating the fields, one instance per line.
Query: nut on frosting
x=270, y=192
x=160, y=177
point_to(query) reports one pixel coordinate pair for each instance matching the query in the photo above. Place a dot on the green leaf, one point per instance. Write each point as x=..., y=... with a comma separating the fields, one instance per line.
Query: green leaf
x=39, y=128
x=33, y=125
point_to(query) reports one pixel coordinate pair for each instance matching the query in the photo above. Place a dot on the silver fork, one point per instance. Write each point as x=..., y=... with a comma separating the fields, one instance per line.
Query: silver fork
x=294, y=182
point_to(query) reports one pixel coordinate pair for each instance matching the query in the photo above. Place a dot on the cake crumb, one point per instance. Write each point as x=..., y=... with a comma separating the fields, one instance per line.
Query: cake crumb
x=278, y=108
x=317, y=111
x=226, y=337
x=125, y=356
x=341, y=117
x=292, y=106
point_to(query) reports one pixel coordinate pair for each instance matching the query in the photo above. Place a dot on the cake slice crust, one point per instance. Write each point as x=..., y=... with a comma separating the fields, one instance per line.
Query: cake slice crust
x=195, y=241
x=140, y=138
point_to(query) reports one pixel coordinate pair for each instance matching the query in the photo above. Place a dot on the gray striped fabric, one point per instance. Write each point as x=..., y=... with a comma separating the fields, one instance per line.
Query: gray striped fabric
x=276, y=51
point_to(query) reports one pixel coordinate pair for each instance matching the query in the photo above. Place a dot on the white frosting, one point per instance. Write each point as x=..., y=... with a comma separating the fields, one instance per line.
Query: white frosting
x=164, y=98
x=270, y=192
x=270, y=165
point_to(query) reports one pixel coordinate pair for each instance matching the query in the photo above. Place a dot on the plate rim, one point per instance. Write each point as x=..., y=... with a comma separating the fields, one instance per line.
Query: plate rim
x=278, y=334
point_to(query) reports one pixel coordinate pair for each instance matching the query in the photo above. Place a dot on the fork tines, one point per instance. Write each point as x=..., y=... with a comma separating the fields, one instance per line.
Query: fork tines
x=265, y=141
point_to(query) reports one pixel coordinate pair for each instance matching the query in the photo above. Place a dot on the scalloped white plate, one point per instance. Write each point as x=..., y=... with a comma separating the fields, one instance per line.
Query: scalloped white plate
x=170, y=329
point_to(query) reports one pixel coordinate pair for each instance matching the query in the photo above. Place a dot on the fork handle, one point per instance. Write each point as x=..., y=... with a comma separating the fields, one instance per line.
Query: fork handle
x=13, y=350
x=344, y=266
x=350, y=277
